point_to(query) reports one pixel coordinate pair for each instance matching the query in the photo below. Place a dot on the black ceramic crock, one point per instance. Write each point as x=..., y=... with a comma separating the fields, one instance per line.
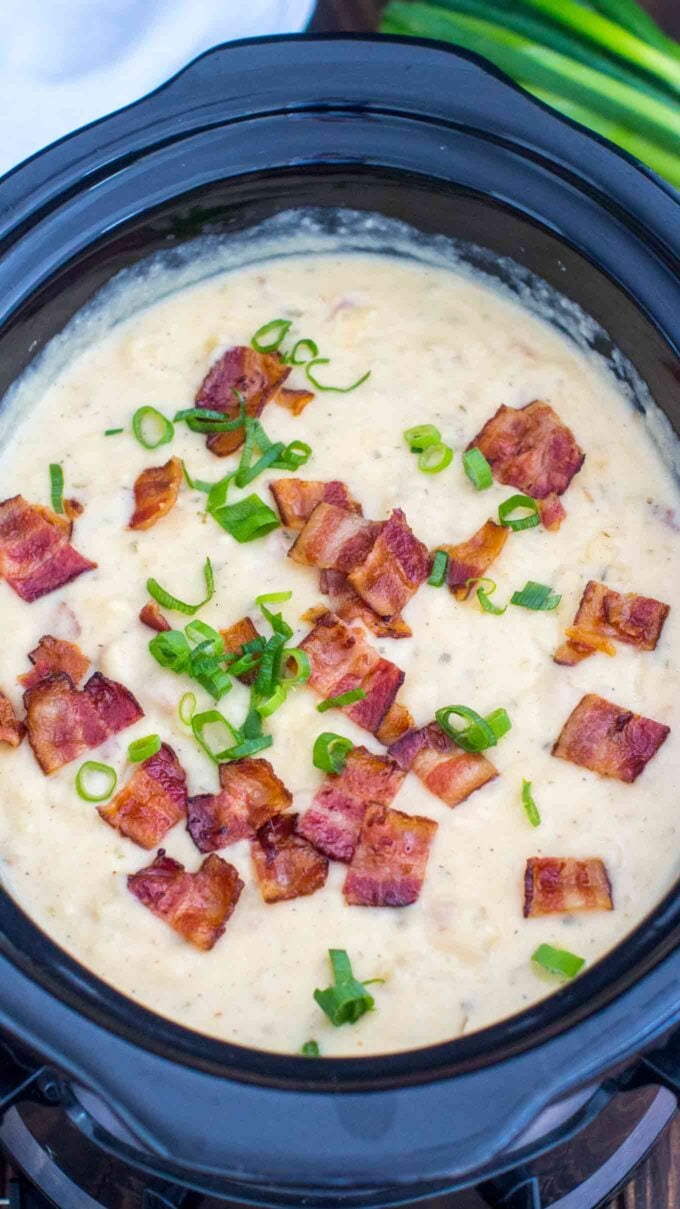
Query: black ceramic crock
x=441, y=140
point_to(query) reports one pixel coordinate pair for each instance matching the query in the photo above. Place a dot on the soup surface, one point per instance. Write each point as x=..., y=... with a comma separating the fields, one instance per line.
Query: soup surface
x=444, y=350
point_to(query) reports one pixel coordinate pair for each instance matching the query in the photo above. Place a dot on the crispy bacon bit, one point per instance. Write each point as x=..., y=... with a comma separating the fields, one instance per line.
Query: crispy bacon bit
x=393, y=570
x=530, y=448
x=156, y=491
x=55, y=655
x=64, y=721
x=604, y=614
x=553, y=884
x=341, y=659
x=154, y=799
x=234, y=637
x=444, y=768
x=255, y=376
x=396, y=722
x=73, y=509
x=472, y=559
x=197, y=905
x=294, y=401
x=388, y=867
x=287, y=866
x=35, y=554
x=151, y=615
x=345, y=602
x=607, y=739
x=12, y=730
x=334, y=538
x=296, y=499
x=552, y=512
x=250, y=794
x=333, y=821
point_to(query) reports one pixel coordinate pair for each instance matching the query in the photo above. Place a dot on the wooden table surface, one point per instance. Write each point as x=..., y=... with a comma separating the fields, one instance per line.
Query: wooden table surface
x=656, y=1185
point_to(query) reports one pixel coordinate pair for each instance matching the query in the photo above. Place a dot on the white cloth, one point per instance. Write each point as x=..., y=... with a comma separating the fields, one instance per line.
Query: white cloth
x=64, y=63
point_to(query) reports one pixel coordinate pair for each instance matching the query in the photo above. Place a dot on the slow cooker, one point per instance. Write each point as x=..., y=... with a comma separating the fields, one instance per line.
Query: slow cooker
x=439, y=139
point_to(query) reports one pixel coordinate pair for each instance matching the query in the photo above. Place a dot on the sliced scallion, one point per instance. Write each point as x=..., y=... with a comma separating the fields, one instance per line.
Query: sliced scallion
x=477, y=469
x=310, y=1049
x=187, y=708
x=480, y=733
x=213, y=718
x=270, y=336
x=330, y=752
x=248, y=747
x=348, y=698
x=421, y=436
x=141, y=749
x=296, y=358
x=266, y=708
x=152, y=428
x=207, y=419
x=296, y=454
x=301, y=668
x=113, y=432
x=435, y=458
x=538, y=597
x=56, y=487
x=340, y=390
x=91, y=771
x=440, y=565
x=211, y=640
x=196, y=484
x=558, y=961
x=169, y=601
x=532, y=811
x=484, y=591
x=247, y=520
x=171, y=650
x=275, y=620
x=347, y=1000
x=515, y=502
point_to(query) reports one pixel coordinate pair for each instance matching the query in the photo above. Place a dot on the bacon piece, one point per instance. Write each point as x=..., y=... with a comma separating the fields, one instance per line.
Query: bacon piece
x=151, y=615
x=607, y=739
x=35, y=555
x=255, y=376
x=250, y=794
x=530, y=448
x=294, y=401
x=296, y=499
x=552, y=512
x=472, y=559
x=444, y=768
x=396, y=722
x=73, y=509
x=152, y=801
x=388, y=867
x=197, y=905
x=341, y=660
x=345, y=603
x=156, y=490
x=234, y=637
x=393, y=570
x=55, y=655
x=603, y=614
x=286, y=865
x=333, y=821
x=12, y=730
x=553, y=884
x=64, y=721
x=334, y=538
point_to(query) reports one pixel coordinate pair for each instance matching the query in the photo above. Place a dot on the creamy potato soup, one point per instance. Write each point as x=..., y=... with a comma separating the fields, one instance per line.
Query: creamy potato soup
x=437, y=870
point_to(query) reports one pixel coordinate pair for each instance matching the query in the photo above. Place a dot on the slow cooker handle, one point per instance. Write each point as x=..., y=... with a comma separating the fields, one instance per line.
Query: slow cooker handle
x=661, y=1067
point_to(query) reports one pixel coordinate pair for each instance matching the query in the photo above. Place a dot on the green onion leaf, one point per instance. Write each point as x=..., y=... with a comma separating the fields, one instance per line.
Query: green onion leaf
x=294, y=455
x=301, y=671
x=151, y=428
x=275, y=620
x=206, y=671
x=480, y=733
x=330, y=752
x=246, y=520
x=310, y=1049
x=477, y=469
x=348, y=698
x=296, y=359
x=348, y=1000
x=558, y=961
x=187, y=708
x=171, y=650
x=499, y=721
x=535, y=596
x=180, y=606
x=421, y=437
x=269, y=666
x=271, y=335
x=340, y=390
x=266, y=708
x=213, y=718
x=435, y=458
x=529, y=804
x=206, y=419
x=440, y=565
x=112, y=432
x=484, y=595
x=141, y=749
x=196, y=484
x=249, y=747
x=211, y=640
x=511, y=505
x=240, y=664
x=57, y=487
x=92, y=771
x=217, y=496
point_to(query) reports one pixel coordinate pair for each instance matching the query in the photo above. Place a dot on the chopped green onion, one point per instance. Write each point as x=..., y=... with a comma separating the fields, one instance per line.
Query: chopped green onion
x=266, y=708
x=141, y=749
x=480, y=733
x=310, y=1049
x=112, y=432
x=484, y=595
x=295, y=359
x=347, y=1000
x=210, y=639
x=477, y=469
x=256, y=436
x=294, y=455
x=499, y=721
x=341, y=390
x=249, y=747
x=93, y=769
x=239, y=665
x=511, y=505
x=330, y=752
x=558, y=961
x=435, y=458
x=529, y=804
x=302, y=669
x=196, y=484
x=440, y=566
x=246, y=520
x=535, y=596
x=275, y=620
x=187, y=708
x=421, y=437
x=217, y=496
x=207, y=419
x=212, y=717
x=171, y=650
x=57, y=487
x=171, y=602
x=269, y=665
x=348, y=698
x=151, y=427
x=206, y=670
x=276, y=329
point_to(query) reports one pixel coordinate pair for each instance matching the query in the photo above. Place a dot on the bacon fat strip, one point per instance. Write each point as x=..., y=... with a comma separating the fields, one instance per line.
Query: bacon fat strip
x=35, y=554
x=603, y=614
x=557, y=884
x=296, y=499
x=152, y=801
x=55, y=655
x=334, y=539
x=63, y=721
x=471, y=559
x=388, y=866
x=610, y=740
x=197, y=905
x=531, y=449
x=333, y=821
x=394, y=568
x=286, y=865
x=12, y=730
x=444, y=768
x=156, y=490
x=256, y=376
x=250, y=794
